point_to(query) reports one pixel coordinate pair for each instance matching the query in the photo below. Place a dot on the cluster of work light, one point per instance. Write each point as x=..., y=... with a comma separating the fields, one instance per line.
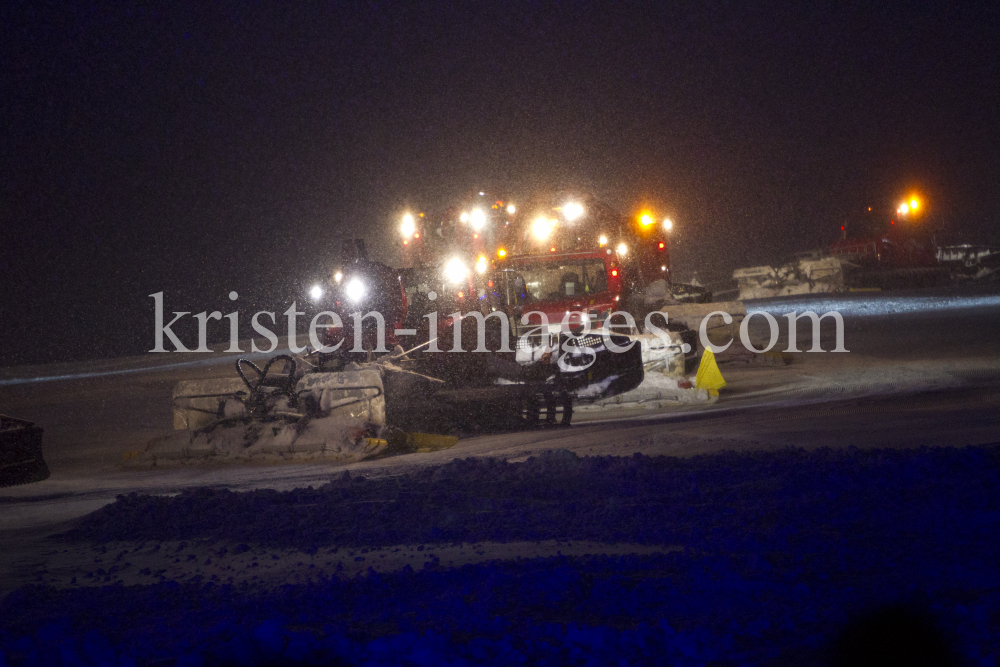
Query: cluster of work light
x=456, y=271
x=354, y=288
x=475, y=219
x=544, y=225
x=908, y=207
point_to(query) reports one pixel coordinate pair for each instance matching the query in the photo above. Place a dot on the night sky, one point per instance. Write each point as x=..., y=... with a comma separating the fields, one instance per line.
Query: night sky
x=198, y=148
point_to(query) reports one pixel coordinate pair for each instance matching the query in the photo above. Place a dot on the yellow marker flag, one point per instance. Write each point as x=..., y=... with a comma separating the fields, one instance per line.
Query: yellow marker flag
x=709, y=376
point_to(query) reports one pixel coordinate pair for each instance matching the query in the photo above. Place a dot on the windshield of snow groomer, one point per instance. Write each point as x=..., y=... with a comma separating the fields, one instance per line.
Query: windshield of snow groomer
x=546, y=280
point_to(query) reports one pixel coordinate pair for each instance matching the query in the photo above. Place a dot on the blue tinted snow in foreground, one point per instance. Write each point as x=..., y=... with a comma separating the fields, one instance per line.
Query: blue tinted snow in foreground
x=781, y=552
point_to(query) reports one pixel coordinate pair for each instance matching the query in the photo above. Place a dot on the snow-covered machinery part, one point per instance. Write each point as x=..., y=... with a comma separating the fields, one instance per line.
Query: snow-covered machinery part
x=534, y=386
x=956, y=265
x=21, y=459
x=690, y=293
x=971, y=262
x=276, y=410
x=806, y=275
x=660, y=293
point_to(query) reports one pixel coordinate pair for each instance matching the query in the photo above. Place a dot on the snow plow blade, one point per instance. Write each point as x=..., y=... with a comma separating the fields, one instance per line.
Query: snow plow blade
x=320, y=415
x=200, y=403
x=21, y=459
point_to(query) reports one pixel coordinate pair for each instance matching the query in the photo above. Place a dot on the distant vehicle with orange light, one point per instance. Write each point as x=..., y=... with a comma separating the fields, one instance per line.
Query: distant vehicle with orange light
x=876, y=249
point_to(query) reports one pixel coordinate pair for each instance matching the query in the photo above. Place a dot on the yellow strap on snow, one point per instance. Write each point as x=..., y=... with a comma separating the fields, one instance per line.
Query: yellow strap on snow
x=429, y=442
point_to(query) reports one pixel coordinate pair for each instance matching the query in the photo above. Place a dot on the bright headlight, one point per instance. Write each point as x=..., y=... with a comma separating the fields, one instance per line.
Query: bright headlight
x=316, y=293
x=622, y=249
x=338, y=276
x=481, y=265
x=408, y=227
x=455, y=271
x=477, y=219
x=572, y=211
x=355, y=290
x=668, y=224
x=541, y=228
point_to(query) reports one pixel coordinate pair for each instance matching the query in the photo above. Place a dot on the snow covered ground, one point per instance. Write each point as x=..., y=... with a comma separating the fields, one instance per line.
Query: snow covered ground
x=750, y=558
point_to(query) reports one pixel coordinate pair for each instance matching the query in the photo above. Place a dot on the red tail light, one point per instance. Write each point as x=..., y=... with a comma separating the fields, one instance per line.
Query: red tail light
x=662, y=245
x=614, y=273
